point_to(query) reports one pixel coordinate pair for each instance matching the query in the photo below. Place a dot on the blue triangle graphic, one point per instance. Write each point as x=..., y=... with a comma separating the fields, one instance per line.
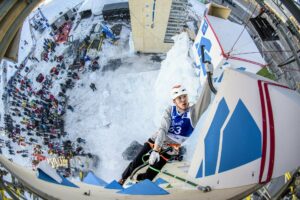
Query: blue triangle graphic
x=114, y=185
x=240, y=132
x=92, y=179
x=200, y=170
x=160, y=181
x=43, y=176
x=145, y=187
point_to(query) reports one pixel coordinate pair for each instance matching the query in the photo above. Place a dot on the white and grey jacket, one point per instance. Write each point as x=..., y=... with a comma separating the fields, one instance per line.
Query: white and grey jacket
x=162, y=138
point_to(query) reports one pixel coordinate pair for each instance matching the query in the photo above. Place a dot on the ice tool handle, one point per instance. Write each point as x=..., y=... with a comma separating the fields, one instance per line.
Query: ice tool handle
x=209, y=70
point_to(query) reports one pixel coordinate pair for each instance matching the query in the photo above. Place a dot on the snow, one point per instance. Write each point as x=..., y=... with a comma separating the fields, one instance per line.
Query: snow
x=96, y=6
x=123, y=108
x=25, y=36
x=53, y=9
x=176, y=69
x=86, y=5
x=129, y=99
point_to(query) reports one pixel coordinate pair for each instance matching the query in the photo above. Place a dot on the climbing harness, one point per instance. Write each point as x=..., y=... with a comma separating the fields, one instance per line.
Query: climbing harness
x=146, y=162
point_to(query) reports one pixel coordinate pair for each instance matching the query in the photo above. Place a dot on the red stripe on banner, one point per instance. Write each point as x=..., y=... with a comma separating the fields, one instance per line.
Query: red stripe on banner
x=271, y=128
x=245, y=60
x=223, y=53
x=264, y=126
x=272, y=133
x=278, y=85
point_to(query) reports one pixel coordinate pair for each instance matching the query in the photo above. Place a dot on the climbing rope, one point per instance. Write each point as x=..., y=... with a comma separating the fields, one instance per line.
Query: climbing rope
x=145, y=163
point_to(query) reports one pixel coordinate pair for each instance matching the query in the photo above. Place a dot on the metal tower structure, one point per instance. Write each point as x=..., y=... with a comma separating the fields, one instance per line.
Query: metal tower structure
x=177, y=18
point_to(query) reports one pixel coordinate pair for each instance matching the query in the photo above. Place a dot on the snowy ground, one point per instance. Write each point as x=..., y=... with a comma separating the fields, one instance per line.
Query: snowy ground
x=129, y=100
x=126, y=105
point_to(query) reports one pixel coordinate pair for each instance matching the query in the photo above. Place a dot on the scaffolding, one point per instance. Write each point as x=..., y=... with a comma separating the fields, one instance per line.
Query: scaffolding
x=177, y=19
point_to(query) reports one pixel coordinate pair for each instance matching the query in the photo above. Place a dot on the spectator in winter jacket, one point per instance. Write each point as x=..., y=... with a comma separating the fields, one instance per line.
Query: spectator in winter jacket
x=69, y=107
x=93, y=86
x=80, y=140
x=177, y=125
x=75, y=76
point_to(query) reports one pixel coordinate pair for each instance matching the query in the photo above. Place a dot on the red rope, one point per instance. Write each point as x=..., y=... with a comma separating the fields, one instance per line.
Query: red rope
x=215, y=34
x=246, y=60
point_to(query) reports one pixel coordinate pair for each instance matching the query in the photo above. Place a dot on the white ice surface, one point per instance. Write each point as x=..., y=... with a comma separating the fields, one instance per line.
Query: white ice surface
x=129, y=100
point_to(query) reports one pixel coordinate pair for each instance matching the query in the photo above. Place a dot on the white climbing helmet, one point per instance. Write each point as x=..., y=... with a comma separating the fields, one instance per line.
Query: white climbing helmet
x=177, y=91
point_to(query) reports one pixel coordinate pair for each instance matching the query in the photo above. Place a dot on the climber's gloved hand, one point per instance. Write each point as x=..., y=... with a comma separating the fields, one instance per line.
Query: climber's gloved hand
x=154, y=157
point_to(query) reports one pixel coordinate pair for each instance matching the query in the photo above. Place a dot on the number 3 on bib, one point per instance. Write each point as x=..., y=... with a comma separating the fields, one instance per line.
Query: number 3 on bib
x=175, y=130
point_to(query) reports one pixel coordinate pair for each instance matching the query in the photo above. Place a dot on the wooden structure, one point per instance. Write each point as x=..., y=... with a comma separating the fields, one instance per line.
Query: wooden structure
x=218, y=11
x=154, y=23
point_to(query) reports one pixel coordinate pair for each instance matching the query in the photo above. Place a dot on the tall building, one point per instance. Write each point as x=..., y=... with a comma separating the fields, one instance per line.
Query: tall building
x=155, y=22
